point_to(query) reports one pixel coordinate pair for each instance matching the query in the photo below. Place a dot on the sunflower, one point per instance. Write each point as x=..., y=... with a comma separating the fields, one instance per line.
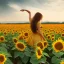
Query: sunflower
x=62, y=34
x=40, y=44
x=52, y=38
x=58, y=45
x=20, y=46
x=2, y=59
x=12, y=33
x=19, y=32
x=45, y=44
x=46, y=34
x=57, y=32
x=20, y=37
x=48, y=37
x=26, y=34
x=2, y=39
x=52, y=35
x=15, y=40
x=1, y=62
x=62, y=62
x=38, y=53
x=5, y=33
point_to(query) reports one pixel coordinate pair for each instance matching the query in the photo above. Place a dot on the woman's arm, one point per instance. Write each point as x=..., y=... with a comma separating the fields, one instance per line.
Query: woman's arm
x=28, y=12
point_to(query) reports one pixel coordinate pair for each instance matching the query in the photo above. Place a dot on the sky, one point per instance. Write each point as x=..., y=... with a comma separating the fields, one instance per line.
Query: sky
x=52, y=10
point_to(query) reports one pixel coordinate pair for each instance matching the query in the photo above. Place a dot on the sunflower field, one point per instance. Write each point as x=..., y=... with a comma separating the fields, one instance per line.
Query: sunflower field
x=14, y=48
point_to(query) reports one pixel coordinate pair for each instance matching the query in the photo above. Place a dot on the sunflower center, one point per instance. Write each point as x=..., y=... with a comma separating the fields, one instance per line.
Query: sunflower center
x=26, y=34
x=58, y=45
x=1, y=58
x=39, y=52
x=20, y=45
x=45, y=43
x=48, y=37
x=46, y=34
x=5, y=33
x=52, y=35
x=15, y=40
x=2, y=38
x=52, y=38
x=62, y=34
x=40, y=45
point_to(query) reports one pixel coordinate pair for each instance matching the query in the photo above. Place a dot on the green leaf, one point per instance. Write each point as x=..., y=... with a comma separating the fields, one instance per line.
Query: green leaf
x=27, y=52
x=49, y=41
x=3, y=49
x=1, y=34
x=18, y=53
x=16, y=34
x=62, y=59
x=25, y=59
x=8, y=61
x=62, y=38
x=3, y=44
x=55, y=60
x=8, y=54
x=34, y=60
x=46, y=54
x=19, y=62
x=43, y=59
x=57, y=36
x=47, y=62
x=49, y=48
x=5, y=53
x=58, y=54
x=13, y=48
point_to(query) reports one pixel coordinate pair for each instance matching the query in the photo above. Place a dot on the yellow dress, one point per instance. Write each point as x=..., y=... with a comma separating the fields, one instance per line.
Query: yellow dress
x=34, y=38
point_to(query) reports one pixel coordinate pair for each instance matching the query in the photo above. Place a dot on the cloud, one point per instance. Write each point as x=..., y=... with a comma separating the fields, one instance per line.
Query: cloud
x=51, y=9
x=4, y=4
x=5, y=9
x=34, y=3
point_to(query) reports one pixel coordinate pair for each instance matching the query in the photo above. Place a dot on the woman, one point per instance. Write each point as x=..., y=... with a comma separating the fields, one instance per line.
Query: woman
x=36, y=34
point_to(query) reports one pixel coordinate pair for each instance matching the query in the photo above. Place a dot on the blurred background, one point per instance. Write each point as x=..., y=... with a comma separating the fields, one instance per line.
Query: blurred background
x=52, y=10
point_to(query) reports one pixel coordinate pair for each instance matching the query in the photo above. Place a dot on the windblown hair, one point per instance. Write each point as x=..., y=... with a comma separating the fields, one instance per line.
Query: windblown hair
x=37, y=17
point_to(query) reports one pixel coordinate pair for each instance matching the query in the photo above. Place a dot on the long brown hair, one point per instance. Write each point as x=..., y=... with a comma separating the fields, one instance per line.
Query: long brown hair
x=37, y=17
